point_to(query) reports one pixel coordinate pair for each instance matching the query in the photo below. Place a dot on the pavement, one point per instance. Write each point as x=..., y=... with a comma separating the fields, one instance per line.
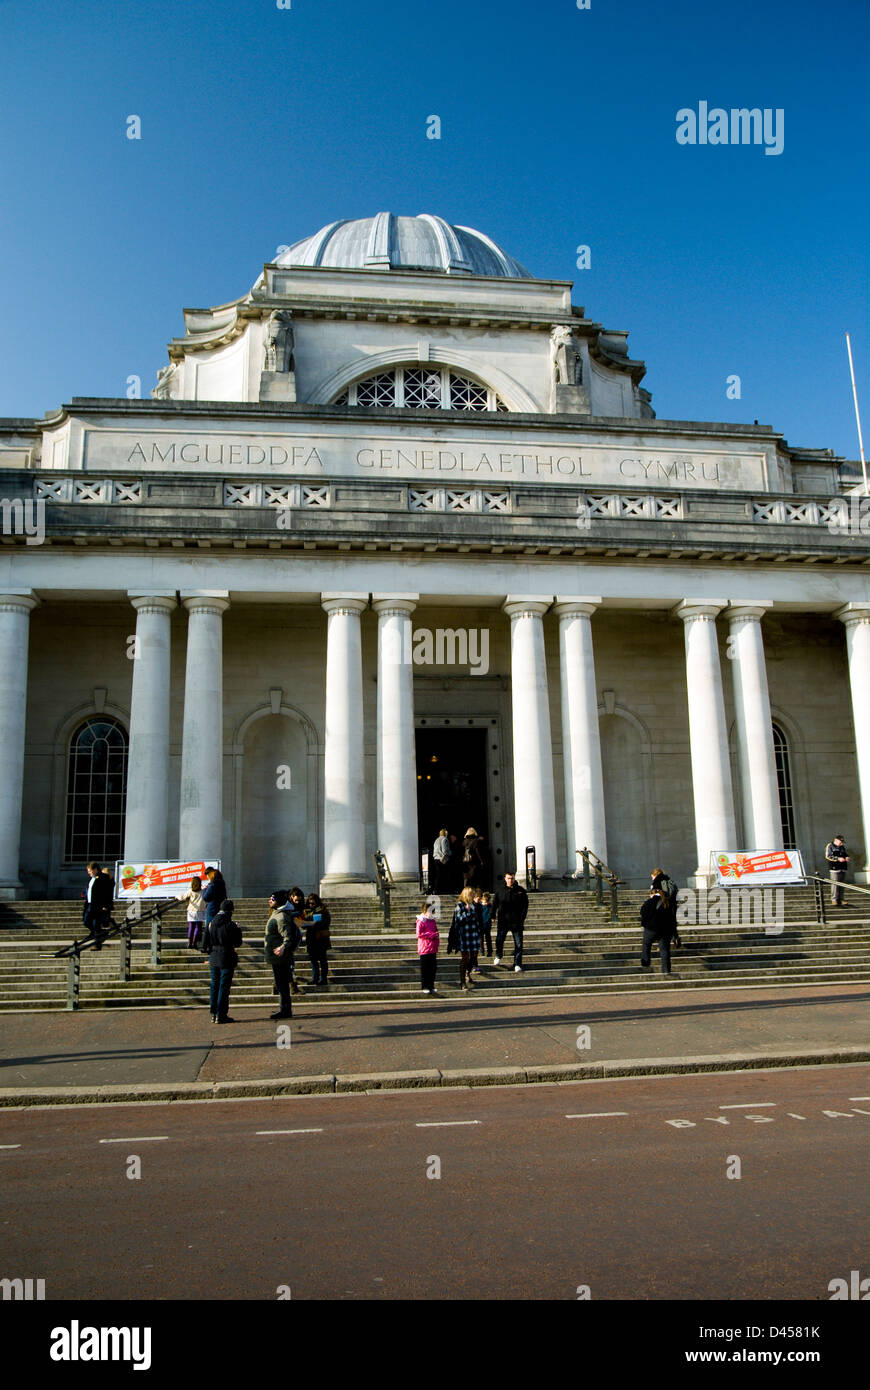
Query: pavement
x=178, y=1054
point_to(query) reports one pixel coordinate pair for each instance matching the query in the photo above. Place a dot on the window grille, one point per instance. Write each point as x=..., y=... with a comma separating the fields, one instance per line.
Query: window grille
x=96, y=791
x=421, y=388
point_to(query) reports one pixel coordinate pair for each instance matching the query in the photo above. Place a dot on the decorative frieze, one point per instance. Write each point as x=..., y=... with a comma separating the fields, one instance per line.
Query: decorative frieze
x=102, y=490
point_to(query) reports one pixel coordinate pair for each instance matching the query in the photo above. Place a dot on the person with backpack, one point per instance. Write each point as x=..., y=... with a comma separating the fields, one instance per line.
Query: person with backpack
x=221, y=937
x=661, y=883
x=278, y=947
x=657, y=924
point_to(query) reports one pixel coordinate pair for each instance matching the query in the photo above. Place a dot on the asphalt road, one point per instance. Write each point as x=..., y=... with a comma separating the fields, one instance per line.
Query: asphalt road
x=621, y=1187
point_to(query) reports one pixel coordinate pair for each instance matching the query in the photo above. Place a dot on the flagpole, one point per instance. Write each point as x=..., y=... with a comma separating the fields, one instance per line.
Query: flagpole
x=857, y=417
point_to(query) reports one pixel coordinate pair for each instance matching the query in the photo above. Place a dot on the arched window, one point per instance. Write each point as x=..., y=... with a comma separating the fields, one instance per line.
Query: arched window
x=420, y=388
x=96, y=791
x=783, y=778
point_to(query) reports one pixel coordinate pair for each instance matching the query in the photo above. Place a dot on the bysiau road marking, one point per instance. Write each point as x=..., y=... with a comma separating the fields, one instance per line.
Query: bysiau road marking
x=443, y=1124
x=289, y=1131
x=750, y=1105
x=139, y=1139
x=596, y=1115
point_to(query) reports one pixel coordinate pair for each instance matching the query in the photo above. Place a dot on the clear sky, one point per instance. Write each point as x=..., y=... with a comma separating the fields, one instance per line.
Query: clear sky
x=259, y=125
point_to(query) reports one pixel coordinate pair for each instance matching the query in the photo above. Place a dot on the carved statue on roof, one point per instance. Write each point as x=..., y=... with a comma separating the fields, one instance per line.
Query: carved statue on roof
x=567, y=362
x=279, y=342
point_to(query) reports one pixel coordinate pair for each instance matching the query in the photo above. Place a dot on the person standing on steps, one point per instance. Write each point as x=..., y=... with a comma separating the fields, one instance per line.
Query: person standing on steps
x=510, y=904
x=655, y=919
x=220, y=939
x=837, y=857
x=441, y=855
x=214, y=893
x=277, y=948
x=466, y=932
x=428, y=942
x=317, y=938
x=195, y=911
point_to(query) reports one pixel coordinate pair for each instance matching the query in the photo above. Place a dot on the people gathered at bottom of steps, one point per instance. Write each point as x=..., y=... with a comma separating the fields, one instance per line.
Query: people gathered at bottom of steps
x=293, y=919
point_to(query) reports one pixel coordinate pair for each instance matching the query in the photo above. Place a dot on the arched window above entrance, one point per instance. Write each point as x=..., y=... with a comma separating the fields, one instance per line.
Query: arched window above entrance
x=96, y=791
x=420, y=387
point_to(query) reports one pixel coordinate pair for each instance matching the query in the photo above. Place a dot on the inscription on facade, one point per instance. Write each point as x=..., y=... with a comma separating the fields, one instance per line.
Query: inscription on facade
x=462, y=460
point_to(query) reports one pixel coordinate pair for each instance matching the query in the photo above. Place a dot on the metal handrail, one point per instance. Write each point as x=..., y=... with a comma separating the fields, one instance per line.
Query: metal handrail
x=97, y=940
x=818, y=881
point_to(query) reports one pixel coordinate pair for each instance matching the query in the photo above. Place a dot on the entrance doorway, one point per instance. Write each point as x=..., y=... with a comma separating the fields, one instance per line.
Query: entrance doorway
x=451, y=785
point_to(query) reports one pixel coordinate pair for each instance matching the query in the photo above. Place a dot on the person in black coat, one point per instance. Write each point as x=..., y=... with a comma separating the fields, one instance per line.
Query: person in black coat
x=657, y=920
x=98, y=903
x=221, y=937
x=510, y=904
x=317, y=938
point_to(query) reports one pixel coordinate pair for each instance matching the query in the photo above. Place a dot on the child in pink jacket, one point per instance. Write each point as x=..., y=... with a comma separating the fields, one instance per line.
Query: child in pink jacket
x=427, y=947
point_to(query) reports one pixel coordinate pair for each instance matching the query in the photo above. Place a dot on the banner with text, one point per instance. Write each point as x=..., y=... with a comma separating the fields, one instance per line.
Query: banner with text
x=758, y=868
x=164, y=880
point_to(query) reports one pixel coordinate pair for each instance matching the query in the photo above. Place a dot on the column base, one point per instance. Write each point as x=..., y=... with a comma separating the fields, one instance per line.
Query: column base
x=862, y=877
x=702, y=878
x=12, y=892
x=346, y=886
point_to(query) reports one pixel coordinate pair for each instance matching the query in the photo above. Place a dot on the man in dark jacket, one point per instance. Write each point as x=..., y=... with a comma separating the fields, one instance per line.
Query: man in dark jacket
x=658, y=925
x=220, y=939
x=278, y=948
x=837, y=857
x=98, y=903
x=510, y=903
x=214, y=893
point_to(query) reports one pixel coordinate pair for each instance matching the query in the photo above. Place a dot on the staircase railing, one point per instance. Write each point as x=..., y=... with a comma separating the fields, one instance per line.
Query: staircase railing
x=124, y=930
x=595, y=869
x=818, y=881
x=384, y=883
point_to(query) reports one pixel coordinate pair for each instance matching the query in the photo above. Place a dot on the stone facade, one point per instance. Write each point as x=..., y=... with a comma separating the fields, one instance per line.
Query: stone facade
x=237, y=571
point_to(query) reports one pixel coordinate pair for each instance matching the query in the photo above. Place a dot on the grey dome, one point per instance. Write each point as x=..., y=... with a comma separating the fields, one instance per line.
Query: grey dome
x=387, y=242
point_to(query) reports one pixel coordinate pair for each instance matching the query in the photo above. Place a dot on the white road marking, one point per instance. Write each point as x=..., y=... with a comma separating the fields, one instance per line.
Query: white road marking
x=139, y=1139
x=750, y=1105
x=859, y=1097
x=289, y=1131
x=443, y=1124
x=10, y=1146
x=795, y=1117
x=596, y=1115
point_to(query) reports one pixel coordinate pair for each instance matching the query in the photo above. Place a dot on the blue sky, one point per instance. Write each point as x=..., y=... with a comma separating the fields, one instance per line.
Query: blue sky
x=260, y=125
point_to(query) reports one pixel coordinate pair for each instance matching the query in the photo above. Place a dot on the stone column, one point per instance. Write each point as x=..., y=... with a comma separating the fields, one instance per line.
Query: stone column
x=581, y=742
x=397, y=757
x=145, y=829
x=202, y=746
x=708, y=735
x=534, y=805
x=856, y=617
x=762, y=823
x=15, y=612
x=344, y=849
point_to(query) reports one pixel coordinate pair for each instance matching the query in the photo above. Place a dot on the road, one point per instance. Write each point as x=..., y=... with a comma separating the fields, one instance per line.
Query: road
x=618, y=1187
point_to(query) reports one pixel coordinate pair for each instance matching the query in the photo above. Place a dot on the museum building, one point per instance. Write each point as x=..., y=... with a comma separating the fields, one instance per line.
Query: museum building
x=399, y=543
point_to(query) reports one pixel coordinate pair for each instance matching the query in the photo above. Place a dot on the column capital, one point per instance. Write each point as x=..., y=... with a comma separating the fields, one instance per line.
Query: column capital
x=17, y=600
x=395, y=603
x=344, y=603
x=690, y=608
x=567, y=607
x=215, y=601
x=853, y=613
x=153, y=603
x=516, y=606
x=754, y=609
